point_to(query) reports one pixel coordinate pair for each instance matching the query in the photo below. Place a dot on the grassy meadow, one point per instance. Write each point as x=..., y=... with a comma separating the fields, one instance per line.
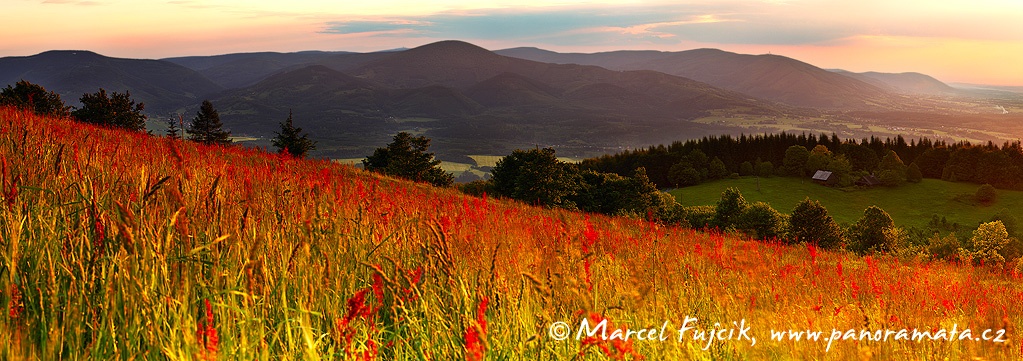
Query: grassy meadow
x=118, y=245
x=910, y=205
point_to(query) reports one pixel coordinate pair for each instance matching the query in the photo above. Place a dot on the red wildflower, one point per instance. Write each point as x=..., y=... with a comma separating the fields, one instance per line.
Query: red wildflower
x=476, y=335
x=15, y=304
x=206, y=334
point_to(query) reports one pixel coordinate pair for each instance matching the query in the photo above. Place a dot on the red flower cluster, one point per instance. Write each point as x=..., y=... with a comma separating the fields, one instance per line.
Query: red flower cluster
x=206, y=334
x=476, y=336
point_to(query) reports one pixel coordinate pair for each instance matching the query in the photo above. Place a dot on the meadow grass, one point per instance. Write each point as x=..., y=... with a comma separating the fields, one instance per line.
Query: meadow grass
x=117, y=245
x=910, y=205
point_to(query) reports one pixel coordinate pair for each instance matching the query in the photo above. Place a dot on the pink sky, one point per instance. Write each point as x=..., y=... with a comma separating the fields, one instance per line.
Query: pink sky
x=979, y=41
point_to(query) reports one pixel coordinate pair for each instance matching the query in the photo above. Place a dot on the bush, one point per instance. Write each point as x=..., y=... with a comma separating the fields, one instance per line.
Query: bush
x=811, y=223
x=746, y=168
x=986, y=194
x=913, y=174
x=988, y=241
x=870, y=233
x=477, y=188
x=945, y=248
x=765, y=169
x=729, y=208
x=760, y=221
x=698, y=216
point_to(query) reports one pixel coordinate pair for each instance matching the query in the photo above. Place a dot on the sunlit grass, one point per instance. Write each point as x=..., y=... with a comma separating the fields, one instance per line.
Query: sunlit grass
x=112, y=245
x=910, y=205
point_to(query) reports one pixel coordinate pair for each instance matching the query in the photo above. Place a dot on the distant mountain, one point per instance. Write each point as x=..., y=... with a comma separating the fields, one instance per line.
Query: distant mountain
x=244, y=69
x=163, y=86
x=770, y=77
x=460, y=94
x=903, y=83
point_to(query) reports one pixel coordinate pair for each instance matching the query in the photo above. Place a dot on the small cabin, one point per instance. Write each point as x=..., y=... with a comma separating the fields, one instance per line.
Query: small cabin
x=868, y=180
x=824, y=177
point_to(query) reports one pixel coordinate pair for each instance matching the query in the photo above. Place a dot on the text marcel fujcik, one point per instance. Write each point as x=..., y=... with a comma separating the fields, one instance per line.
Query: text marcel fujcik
x=742, y=332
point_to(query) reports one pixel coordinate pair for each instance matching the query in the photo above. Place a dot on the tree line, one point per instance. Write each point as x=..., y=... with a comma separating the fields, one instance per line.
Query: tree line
x=995, y=242
x=119, y=110
x=695, y=161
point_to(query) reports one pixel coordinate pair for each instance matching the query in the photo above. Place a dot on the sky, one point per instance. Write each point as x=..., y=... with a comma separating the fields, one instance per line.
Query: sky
x=970, y=41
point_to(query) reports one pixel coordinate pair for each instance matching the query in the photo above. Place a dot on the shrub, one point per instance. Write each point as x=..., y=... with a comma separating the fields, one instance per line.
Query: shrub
x=811, y=223
x=986, y=194
x=761, y=221
x=698, y=216
x=988, y=241
x=870, y=233
x=729, y=208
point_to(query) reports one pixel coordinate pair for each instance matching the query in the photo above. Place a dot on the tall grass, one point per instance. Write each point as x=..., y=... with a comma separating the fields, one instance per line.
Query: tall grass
x=123, y=246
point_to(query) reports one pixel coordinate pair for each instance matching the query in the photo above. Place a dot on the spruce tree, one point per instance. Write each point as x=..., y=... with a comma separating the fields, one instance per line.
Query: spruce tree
x=206, y=127
x=173, y=129
x=407, y=157
x=290, y=140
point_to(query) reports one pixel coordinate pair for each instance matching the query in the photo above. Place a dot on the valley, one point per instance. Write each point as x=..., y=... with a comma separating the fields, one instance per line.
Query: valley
x=583, y=105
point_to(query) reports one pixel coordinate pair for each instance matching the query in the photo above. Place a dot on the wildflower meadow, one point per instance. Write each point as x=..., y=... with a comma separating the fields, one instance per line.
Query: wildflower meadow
x=123, y=245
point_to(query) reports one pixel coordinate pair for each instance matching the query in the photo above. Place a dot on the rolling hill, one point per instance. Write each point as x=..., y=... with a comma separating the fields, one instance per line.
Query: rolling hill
x=245, y=69
x=459, y=93
x=904, y=83
x=770, y=77
x=164, y=87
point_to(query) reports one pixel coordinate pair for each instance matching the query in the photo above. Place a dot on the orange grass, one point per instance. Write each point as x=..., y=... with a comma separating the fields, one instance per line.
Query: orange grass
x=122, y=245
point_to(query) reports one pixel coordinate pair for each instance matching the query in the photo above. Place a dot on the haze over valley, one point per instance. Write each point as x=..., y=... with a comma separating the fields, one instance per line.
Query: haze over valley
x=473, y=101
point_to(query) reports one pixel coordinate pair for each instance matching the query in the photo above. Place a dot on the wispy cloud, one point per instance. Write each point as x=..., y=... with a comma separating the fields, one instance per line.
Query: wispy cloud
x=587, y=26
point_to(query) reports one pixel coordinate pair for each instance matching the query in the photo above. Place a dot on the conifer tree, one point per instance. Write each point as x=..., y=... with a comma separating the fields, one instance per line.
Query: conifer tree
x=173, y=129
x=206, y=127
x=407, y=157
x=290, y=140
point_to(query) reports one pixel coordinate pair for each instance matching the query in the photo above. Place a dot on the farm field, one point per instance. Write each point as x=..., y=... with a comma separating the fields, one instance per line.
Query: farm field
x=117, y=245
x=910, y=205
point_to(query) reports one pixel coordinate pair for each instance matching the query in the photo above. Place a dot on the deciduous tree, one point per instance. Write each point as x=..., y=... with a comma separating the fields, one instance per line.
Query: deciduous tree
x=868, y=233
x=33, y=97
x=811, y=223
x=118, y=110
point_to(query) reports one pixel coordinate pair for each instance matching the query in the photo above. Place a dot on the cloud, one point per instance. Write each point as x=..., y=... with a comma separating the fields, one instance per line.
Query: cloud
x=594, y=26
x=763, y=22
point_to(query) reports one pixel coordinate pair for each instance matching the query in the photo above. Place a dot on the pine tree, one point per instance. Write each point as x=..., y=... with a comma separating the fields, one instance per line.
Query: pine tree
x=173, y=129
x=407, y=157
x=206, y=127
x=290, y=140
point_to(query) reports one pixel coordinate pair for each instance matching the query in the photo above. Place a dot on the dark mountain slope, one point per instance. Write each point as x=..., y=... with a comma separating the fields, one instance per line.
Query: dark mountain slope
x=904, y=83
x=240, y=70
x=163, y=86
x=769, y=77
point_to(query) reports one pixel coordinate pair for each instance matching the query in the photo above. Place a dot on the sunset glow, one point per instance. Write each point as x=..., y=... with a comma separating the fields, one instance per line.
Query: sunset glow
x=955, y=41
